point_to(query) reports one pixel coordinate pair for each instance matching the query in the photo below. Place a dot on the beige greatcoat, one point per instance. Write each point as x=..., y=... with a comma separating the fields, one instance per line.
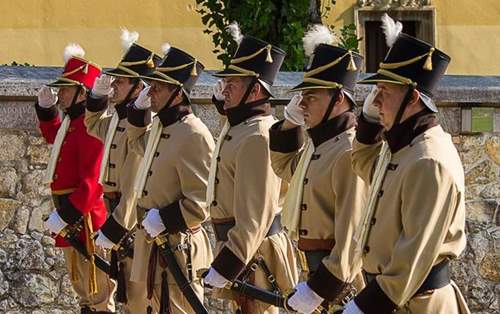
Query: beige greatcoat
x=176, y=184
x=248, y=191
x=332, y=201
x=122, y=169
x=419, y=220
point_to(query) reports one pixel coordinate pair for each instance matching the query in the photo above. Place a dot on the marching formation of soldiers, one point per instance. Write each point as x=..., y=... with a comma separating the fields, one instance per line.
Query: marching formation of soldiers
x=371, y=206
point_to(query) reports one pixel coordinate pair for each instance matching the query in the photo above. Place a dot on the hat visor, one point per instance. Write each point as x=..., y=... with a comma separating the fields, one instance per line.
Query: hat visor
x=379, y=78
x=118, y=72
x=233, y=73
x=158, y=78
x=428, y=102
x=307, y=85
x=350, y=96
x=229, y=72
x=61, y=82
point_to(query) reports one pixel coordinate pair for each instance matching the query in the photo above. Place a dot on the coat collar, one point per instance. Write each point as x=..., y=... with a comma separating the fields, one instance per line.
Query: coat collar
x=121, y=108
x=170, y=115
x=241, y=113
x=332, y=127
x=76, y=110
x=402, y=134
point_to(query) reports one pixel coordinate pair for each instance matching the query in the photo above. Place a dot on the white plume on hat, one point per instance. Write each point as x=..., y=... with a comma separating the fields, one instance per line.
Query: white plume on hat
x=315, y=35
x=73, y=50
x=391, y=29
x=128, y=38
x=165, y=48
x=235, y=31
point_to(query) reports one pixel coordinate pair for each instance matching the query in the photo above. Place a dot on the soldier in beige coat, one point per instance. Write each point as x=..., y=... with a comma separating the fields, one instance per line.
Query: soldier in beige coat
x=414, y=223
x=324, y=202
x=120, y=165
x=172, y=181
x=244, y=193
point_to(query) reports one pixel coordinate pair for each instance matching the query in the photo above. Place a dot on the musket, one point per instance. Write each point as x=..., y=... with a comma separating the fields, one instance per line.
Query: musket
x=182, y=282
x=261, y=294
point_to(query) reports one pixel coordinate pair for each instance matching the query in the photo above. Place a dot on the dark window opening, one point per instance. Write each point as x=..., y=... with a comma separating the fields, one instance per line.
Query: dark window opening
x=376, y=48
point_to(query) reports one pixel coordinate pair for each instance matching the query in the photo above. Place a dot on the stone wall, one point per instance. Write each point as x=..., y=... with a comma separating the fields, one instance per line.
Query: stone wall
x=32, y=274
x=477, y=271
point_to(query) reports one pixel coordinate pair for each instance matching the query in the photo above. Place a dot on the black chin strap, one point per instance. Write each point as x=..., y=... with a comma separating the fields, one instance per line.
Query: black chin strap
x=129, y=94
x=75, y=96
x=171, y=98
x=404, y=104
x=329, y=109
x=248, y=91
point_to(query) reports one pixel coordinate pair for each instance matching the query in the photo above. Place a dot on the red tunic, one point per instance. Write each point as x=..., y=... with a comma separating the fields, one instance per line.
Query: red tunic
x=77, y=169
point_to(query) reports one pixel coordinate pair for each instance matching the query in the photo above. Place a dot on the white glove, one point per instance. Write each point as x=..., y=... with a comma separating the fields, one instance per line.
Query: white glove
x=214, y=279
x=102, y=86
x=55, y=223
x=143, y=102
x=218, y=88
x=152, y=223
x=352, y=308
x=103, y=241
x=47, y=97
x=293, y=112
x=304, y=300
x=370, y=111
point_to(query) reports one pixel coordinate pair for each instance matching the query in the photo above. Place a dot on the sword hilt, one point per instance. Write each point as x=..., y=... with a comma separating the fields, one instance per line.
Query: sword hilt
x=67, y=231
x=319, y=310
x=203, y=272
x=159, y=239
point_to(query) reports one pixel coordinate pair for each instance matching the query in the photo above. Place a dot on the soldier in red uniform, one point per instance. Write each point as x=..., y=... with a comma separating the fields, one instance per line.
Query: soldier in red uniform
x=72, y=172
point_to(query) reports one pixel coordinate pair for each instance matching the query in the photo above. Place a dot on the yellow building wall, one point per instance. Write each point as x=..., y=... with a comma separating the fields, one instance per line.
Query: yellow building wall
x=36, y=31
x=469, y=31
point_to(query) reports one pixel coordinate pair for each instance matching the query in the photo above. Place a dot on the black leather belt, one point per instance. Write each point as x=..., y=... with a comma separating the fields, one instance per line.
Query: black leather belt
x=222, y=228
x=437, y=278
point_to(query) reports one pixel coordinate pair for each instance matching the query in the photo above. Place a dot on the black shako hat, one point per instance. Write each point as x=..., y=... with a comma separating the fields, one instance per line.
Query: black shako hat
x=177, y=68
x=255, y=58
x=411, y=61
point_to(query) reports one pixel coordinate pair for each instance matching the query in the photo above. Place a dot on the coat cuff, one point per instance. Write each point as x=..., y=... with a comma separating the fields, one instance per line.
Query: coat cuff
x=137, y=117
x=285, y=141
x=368, y=133
x=113, y=230
x=46, y=114
x=325, y=284
x=372, y=300
x=172, y=218
x=228, y=264
x=96, y=104
x=68, y=212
